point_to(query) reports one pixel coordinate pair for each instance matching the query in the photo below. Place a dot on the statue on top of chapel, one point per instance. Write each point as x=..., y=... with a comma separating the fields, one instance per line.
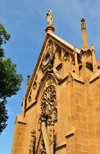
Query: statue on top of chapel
x=49, y=18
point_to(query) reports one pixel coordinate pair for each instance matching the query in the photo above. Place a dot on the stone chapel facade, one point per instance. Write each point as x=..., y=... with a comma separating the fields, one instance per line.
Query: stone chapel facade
x=61, y=107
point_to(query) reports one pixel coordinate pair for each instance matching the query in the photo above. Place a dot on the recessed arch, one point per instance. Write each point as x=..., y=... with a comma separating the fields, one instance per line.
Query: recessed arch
x=58, y=52
x=48, y=79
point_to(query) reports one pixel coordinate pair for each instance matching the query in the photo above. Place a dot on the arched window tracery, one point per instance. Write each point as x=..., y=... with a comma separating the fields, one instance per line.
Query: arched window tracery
x=48, y=100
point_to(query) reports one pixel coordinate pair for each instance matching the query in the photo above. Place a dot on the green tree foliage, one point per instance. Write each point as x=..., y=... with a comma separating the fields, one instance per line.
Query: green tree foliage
x=4, y=36
x=10, y=81
x=3, y=115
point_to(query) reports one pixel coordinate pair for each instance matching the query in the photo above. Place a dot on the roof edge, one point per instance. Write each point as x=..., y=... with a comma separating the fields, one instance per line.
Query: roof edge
x=64, y=42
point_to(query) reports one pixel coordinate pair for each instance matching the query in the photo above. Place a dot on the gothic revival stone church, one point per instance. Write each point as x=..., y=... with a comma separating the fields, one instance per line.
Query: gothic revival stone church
x=61, y=107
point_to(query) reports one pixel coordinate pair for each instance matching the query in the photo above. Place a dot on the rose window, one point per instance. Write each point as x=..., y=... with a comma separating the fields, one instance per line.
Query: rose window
x=48, y=99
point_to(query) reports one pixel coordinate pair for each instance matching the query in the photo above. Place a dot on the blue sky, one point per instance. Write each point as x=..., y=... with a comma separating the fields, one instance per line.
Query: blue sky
x=25, y=20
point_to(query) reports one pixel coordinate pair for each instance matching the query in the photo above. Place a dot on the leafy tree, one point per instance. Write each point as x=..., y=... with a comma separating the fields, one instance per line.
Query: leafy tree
x=10, y=81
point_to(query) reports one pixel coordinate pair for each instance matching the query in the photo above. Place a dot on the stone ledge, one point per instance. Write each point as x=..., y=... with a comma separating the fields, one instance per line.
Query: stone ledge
x=20, y=119
x=30, y=105
x=64, y=42
x=95, y=76
x=61, y=144
x=70, y=133
x=76, y=77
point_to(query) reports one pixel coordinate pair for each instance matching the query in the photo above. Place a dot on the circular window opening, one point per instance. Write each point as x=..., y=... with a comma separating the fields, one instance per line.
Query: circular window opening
x=48, y=100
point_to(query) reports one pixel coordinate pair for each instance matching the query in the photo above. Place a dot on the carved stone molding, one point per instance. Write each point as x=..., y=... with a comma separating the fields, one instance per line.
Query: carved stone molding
x=57, y=74
x=33, y=142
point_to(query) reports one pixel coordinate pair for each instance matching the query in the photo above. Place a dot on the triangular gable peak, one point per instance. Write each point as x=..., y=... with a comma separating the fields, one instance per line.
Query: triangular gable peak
x=54, y=48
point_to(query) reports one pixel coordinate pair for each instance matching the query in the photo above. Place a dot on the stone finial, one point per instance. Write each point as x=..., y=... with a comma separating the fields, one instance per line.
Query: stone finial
x=28, y=77
x=28, y=80
x=82, y=20
x=92, y=46
x=85, y=46
x=83, y=24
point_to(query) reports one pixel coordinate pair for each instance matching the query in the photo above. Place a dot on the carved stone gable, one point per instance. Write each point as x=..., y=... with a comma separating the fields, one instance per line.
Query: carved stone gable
x=47, y=57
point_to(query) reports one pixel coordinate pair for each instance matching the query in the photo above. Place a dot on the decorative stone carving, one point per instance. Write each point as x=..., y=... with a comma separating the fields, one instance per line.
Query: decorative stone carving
x=52, y=134
x=49, y=18
x=34, y=85
x=57, y=74
x=28, y=81
x=83, y=25
x=48, y=100
x=49, y=82
x=47, y=57
x=42, y=148
x=33, y=141
x=49, y=46
x=49, y=120
x=29, y=98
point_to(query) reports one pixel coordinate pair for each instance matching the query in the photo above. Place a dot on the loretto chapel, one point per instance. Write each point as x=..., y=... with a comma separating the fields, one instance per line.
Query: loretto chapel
x=61, y=108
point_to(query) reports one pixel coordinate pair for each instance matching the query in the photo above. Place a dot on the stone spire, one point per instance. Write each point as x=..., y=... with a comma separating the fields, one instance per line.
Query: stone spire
x=85, y=46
